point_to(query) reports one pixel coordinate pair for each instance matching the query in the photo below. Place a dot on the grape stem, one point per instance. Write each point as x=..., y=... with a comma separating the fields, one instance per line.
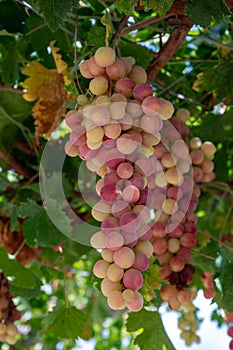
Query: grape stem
x=217, y=239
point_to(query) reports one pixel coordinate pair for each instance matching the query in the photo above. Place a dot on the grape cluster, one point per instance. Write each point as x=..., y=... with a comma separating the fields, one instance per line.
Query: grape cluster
x=188, y=322
x=145, y=180
x=8, y=313
x=208, y=283
x=174, y=233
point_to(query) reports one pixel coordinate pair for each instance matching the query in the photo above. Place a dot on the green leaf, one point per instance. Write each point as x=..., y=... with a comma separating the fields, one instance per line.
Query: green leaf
x=209, y=123
x=127, y=7
x=10, y=65
x=225, y=297
x=203, y=12
x=67, y=322
x=216, y=79
x=96, y=37
x=55, y=11
x=154, y=336
x=160, y=6
x=19, y=276
x=139, y=52
x=39, y=231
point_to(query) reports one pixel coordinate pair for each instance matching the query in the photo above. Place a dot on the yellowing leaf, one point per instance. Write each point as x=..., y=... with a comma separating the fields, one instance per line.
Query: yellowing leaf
x=47, y=86
x=49, y=110
x=38, y=75
x=60, y=64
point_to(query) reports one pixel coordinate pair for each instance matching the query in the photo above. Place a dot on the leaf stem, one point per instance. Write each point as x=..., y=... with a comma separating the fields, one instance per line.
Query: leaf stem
x=20, y=248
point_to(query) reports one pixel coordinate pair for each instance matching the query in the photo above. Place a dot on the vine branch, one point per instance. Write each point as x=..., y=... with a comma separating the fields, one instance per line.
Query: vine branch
x=176, y=38
x=14, y=164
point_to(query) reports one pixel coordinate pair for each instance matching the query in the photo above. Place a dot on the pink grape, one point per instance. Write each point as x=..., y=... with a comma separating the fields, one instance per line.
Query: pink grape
x=166, y=110
x=159, y=230
x=100, y=268
x=114, y=240
x=197, y=156
x=134, y=108
x=117, y=70
x=105, y=56
x=101, y=211
x=98, y=240
x=84, y=70
x=130, y=194
x=130, y=239
x=145, y=247
x=177, y=263
x=112, y=130
x=98, y=85
x=115, y=273
x=73, y=118
x=108, y=286
x=173, y=245
x=128, y=62
x=125, y=170
x=115, y=300
x=94, y=68
x=118, y=98
x=145, y=166
x=138, y=180
x=143, y=213
x=110, y=224
x=119, y=208
x=144, y=232
x=124, y=257
x=133, y=279
x=160, y=245
x=208, y=148
x=142, y=90
x=125, y=86
x=117, y=110
x=168, y=292
x=151, y=106
x=151, y=124
x=107, y=255
x=141, y=262
x=110, y=193
x=99, y=115
x=126, y=144
x=136, y=304
x=138, y=74
x=195, y=143
x=128, y=295
x=129, y=221
x=71, y=149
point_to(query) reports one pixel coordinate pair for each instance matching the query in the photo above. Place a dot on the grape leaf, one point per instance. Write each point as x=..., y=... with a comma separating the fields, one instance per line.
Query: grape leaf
x=154, y=336
x=127, y=7
x=139, y=52
x=224, y=297
x=67, y=322
x=55, y=11
x=216, y=79
x=39, y=231
x=96, y=38
x=203, y=12
x=19, y=276
x=10, y=65
x=158, y=6
x=47, y=85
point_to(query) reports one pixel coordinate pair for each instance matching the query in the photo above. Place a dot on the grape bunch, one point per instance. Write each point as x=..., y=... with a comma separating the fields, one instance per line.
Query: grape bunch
x=188, y=322
x=148, y=194
x=8, y=313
